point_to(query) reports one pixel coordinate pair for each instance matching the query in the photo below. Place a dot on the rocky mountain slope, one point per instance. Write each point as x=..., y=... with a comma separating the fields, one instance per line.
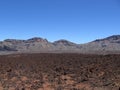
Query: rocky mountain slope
x=107, y=45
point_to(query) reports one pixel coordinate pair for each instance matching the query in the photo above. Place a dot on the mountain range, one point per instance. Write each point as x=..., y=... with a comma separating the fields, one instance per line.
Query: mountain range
x=109, y=44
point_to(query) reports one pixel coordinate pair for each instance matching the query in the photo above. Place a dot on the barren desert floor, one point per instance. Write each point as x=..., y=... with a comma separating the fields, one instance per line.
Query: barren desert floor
x=59, y=72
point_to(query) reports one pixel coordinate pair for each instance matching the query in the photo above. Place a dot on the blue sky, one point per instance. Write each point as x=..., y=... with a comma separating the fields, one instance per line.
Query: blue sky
x=79, y=21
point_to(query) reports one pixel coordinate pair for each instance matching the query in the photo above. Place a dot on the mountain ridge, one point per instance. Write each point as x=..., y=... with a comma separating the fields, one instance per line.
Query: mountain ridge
x=38, y=44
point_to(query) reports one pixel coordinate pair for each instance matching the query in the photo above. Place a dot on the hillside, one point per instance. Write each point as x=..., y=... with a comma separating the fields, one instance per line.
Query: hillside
x=39, y=45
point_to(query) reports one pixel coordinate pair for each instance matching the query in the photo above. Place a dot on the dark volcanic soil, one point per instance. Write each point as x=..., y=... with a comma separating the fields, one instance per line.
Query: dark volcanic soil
x=59, y=72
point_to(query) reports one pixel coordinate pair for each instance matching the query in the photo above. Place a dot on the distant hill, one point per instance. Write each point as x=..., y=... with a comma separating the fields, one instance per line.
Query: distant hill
x=39, y=45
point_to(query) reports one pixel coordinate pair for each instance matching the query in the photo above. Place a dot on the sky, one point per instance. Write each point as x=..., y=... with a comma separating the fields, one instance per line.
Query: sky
x=79, y=21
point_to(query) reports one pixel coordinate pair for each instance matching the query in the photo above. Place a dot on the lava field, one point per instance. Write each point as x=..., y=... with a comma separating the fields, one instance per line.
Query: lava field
x=60, y=71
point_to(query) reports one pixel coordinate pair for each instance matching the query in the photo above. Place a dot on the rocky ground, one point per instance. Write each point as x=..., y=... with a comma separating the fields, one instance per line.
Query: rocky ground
x=59, y=72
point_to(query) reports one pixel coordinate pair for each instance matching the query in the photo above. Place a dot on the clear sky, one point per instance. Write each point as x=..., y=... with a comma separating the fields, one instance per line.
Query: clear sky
x=79, y=21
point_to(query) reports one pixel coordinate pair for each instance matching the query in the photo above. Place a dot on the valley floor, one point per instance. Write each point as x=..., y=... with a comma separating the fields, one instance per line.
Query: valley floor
x=59, y=72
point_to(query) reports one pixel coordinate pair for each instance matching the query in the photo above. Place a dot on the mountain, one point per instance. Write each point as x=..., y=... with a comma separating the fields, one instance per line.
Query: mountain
x=112, y=39
x=64, y=42
x=40, y=45
x=106, y=45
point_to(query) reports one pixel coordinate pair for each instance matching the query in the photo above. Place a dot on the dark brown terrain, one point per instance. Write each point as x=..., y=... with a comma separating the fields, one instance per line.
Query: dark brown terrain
x=59, y=72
